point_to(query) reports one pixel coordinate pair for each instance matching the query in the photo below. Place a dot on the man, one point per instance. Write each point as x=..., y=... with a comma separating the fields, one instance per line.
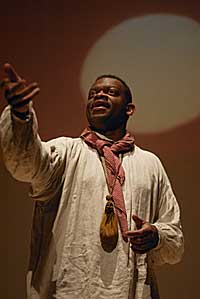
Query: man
x=105, y=213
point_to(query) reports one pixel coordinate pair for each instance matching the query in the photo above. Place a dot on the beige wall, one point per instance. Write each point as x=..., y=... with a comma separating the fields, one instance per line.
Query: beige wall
x=47, y=41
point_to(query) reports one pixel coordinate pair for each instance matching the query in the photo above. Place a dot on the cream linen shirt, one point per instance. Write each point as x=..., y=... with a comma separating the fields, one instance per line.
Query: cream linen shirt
x=69, y=189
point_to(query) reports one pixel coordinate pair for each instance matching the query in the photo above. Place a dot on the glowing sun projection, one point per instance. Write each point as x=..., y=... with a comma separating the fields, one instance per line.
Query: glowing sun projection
x=158, y=56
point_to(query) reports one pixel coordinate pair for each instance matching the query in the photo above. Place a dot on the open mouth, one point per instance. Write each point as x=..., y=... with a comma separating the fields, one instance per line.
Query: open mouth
x=99, y=104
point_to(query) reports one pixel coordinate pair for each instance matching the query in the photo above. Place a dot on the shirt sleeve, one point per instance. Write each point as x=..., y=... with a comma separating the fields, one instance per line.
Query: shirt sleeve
x=27, y=158
x=171, y=244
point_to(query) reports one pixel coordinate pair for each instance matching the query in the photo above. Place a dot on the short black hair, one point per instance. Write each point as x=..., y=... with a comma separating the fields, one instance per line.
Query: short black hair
x=127, y=89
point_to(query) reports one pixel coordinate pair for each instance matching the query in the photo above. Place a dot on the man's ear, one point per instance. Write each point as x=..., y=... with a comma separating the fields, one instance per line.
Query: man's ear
x=130, y=109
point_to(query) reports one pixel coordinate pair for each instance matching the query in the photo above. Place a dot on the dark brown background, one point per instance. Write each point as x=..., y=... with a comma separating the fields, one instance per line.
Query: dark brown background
x=47, y=42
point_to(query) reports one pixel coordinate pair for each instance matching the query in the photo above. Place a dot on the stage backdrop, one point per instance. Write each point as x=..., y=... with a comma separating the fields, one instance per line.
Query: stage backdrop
x=64, y=45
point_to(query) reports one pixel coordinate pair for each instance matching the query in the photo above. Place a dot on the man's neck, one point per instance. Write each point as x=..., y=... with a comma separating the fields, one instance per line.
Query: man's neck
x=114, y=135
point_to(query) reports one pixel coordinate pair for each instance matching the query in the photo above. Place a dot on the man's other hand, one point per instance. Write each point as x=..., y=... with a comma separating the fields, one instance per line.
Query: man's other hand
x=144, y=238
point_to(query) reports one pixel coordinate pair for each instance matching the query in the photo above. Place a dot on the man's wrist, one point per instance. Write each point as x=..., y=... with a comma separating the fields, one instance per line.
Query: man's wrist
x=21, y=115
x=160, y=237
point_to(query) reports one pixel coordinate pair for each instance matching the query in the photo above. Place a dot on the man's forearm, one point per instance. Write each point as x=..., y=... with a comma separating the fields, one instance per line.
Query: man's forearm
x=19, y=144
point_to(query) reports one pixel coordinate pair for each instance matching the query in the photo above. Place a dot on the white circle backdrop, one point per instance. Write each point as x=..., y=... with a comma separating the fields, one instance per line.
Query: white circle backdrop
x=159, y=58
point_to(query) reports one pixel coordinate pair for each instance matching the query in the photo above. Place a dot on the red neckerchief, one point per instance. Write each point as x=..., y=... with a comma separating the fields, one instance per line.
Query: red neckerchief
x=110, y=150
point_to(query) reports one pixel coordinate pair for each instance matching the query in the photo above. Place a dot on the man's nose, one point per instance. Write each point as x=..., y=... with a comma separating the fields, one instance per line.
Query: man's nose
x=100, y=93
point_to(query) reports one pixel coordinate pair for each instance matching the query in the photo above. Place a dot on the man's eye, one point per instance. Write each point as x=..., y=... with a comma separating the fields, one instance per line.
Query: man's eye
x=113, y=92
x=91, y=94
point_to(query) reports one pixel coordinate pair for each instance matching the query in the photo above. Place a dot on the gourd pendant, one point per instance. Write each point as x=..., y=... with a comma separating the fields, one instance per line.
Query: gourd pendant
x=109, y=226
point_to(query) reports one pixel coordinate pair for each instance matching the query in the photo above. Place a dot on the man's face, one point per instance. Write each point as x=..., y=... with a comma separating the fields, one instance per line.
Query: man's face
x=106, y=107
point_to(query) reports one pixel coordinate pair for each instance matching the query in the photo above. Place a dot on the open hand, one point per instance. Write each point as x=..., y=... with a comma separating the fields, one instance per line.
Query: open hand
x=144, y=238
x=17, y=93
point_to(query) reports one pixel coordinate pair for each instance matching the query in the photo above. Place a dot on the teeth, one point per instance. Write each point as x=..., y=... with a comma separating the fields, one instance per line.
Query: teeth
x=100, y=104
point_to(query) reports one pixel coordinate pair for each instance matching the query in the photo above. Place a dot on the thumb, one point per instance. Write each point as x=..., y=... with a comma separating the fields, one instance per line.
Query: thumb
x=138, y=221
x=11, y=73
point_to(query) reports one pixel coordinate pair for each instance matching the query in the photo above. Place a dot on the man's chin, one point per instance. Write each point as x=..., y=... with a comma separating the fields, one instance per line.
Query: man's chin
x=100, y=116
x=98, y=121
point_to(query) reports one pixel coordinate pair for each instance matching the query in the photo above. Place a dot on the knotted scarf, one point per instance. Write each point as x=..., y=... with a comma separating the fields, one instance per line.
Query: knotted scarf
x=110, y=151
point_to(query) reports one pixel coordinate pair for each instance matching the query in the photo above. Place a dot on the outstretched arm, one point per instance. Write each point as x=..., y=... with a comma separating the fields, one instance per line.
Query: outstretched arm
x=26, y=157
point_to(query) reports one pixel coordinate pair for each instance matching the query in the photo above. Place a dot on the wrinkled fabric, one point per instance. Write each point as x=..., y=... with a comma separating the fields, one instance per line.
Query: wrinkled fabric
x=69, y=188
